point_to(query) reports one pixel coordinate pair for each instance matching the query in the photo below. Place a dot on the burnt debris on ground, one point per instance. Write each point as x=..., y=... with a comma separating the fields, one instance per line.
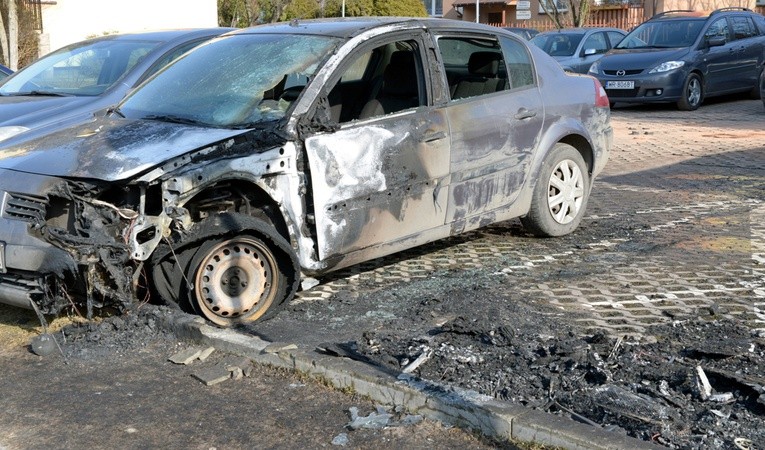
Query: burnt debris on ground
x=693, y=383
x=136, y=327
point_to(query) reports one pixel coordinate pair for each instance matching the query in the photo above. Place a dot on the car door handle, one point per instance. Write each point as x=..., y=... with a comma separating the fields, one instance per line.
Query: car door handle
x=524, y=113
x=430, y=137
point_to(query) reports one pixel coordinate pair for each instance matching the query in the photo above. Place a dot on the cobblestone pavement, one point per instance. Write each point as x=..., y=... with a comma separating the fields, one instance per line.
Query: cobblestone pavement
x=675, y=226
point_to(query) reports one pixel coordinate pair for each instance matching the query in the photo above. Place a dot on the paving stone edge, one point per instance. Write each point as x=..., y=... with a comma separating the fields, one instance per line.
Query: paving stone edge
x=468, y=409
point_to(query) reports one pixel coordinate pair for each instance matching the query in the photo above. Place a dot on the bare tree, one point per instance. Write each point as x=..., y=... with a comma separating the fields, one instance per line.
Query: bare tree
x=564, y=12
x=580, y=12
x=3, y=38
x=13, y=35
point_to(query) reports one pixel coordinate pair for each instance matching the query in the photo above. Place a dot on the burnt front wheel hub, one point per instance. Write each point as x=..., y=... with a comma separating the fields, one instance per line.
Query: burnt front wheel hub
x=235, y=279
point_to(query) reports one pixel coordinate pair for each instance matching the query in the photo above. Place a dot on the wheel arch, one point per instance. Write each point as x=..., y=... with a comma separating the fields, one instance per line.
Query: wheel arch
x=583, y=146
x=250, y=198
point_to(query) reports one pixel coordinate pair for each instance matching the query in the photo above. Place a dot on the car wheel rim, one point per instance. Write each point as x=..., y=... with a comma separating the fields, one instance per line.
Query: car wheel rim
x=694, y=91
x=234, y=279
x=565, y=192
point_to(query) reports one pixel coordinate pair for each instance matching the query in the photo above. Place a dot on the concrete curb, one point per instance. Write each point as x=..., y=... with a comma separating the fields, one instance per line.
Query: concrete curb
x=467, y=409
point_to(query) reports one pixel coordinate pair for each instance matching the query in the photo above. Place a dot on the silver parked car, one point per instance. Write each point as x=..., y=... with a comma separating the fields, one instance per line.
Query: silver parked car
x=70, y=84
x=223, y=180
x=576, y=49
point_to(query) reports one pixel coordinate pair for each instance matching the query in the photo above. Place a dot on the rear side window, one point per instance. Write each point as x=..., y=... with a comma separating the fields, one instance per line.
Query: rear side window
x=473, y=66
x=743, y=27
x=520, y=69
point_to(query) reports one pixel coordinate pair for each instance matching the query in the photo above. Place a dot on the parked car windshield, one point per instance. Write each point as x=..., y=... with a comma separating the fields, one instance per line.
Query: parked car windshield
x=83, y=69
x=233, y=82
x=663, y=34
x=557, y=44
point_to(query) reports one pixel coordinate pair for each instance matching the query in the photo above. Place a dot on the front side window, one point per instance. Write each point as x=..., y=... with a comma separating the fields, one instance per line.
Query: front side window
x=234, y=82
x=558, y=44
x=84, y=69
x=597, y=42
x=473, y=66
x=381, y=80
x=718, y=29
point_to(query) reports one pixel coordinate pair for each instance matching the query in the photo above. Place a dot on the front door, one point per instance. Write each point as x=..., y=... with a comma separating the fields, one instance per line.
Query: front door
x=377, y=180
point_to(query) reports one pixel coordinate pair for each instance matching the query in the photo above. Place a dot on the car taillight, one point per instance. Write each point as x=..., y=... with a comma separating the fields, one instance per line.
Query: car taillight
x=601, y=98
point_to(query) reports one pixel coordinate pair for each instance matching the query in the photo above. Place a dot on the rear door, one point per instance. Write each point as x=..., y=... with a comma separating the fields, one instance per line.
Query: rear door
x=749, y=47
x=494, y=127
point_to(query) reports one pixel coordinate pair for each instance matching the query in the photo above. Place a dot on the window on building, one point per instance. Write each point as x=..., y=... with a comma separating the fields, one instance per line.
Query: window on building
x=435, y=8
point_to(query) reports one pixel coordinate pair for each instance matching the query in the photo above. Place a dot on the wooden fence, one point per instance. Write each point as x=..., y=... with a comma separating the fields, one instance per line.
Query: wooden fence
x=624, y=18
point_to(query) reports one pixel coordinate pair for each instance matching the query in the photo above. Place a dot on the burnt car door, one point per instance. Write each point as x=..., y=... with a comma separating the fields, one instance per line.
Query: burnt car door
x=495, y=118
x=377, y=178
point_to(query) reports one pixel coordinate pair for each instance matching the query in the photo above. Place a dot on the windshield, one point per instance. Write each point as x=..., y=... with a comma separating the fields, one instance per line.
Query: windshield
x=663, y=34
x=83, y=69
x=558, y=44
x=232, y=82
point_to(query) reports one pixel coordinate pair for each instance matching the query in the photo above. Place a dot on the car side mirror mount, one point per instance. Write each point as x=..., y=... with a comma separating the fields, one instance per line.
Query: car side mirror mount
x=590, y=51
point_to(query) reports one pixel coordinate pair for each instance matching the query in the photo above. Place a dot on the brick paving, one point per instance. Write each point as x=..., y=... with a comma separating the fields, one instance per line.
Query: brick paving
x=675, y=227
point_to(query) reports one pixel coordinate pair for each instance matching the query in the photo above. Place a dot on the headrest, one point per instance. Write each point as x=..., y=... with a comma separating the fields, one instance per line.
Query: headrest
x=400, y=77
x=485, y=64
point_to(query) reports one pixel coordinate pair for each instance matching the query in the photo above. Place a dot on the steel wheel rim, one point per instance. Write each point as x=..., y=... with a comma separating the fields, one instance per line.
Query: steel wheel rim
x=565, y=192
x=235, y=279
x=694, y=91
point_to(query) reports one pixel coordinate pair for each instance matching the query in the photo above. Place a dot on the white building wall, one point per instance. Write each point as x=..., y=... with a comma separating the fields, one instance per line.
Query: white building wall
x=69, y=21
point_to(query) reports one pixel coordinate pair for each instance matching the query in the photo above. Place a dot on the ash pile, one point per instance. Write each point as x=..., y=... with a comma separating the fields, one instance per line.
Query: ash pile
x=698, y=383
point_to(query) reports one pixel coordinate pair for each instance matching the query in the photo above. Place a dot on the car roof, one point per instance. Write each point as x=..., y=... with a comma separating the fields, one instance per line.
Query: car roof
x=353, y=26
x=700, y=15
x=580, y=30
x=163, y=35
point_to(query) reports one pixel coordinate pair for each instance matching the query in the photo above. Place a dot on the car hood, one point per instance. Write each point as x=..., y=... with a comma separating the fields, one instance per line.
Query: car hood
x=631, y=59
x=29, y=110
x=109, y=149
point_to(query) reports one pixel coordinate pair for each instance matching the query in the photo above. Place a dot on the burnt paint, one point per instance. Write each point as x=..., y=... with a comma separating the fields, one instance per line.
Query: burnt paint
x=490, y=149
x=377, y=180
x=109, y=149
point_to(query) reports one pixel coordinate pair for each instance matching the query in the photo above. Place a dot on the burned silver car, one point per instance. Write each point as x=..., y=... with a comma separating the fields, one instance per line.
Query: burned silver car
x=293, y=150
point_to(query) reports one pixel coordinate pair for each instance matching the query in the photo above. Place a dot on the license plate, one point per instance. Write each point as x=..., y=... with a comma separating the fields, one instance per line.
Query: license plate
x=620, y=85
x=2, y=257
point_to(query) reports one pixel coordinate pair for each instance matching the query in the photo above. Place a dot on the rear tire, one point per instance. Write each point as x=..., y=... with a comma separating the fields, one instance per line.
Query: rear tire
x=560, y=194
x=755, y=93
x=693, y=94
